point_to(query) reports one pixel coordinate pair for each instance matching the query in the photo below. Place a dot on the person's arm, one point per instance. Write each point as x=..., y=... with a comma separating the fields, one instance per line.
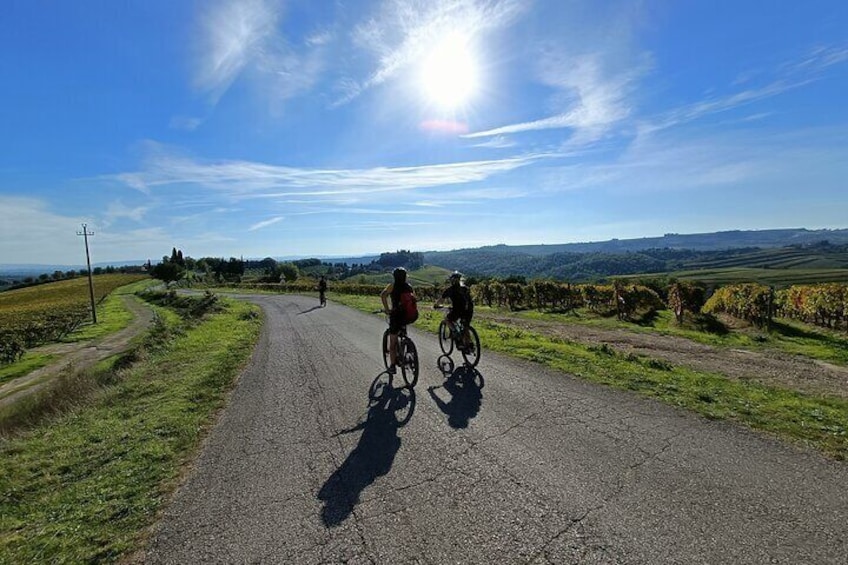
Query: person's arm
x=384, y=297
x=441, y=300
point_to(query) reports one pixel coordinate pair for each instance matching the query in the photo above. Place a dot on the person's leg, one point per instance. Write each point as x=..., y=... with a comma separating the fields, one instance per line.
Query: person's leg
x=393, y=339
x=452, y=321
x=466, y=335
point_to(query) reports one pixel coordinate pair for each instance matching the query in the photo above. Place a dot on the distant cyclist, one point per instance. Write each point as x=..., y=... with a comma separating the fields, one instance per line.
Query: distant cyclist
x=322, y=289
x=403, y=310
x=462, y=306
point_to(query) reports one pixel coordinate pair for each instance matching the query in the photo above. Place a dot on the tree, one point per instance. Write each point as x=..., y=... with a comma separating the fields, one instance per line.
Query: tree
x=289, y=272
x=167, y=272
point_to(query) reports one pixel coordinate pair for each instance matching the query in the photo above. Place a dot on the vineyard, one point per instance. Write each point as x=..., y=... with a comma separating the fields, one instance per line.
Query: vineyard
x=824, y=304
x=41, y=314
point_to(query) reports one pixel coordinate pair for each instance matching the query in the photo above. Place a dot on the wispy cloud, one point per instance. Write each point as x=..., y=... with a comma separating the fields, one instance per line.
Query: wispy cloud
x=234, y=34
x=403, y=30
x=117, y=210
x=789, y=76
x=238, y=36
x=819, y=59
x=497, y=142
x=185, y=123
x=265, y=223
x=593, y=97
x=719, y=104
x=252, y=179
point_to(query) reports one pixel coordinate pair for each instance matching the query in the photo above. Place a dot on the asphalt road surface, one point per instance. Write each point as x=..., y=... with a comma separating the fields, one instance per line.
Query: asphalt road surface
x=513, y=463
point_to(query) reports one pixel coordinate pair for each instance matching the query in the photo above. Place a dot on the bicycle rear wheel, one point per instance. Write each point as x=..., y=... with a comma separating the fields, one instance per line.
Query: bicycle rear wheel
x=387, y=359
x=409, y=363
x=471, y=352
x=445, y=338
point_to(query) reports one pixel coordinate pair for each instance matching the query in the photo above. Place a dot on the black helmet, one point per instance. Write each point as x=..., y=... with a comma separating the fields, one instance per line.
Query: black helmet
x=455, y=276
x=399, y=275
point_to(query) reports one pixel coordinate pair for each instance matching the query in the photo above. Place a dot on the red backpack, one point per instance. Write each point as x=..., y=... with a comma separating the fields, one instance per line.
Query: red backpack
x=409, y=306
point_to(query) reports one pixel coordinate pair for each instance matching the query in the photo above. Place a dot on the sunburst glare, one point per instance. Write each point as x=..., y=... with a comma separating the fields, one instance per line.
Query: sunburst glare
x=449, y=72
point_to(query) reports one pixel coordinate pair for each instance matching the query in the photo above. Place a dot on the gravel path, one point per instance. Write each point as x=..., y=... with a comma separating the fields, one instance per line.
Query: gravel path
x=771, y=368
x=79, y=356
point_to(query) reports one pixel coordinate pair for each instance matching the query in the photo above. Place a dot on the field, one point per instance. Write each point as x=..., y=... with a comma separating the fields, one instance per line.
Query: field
x=777, y=258
x=426, y=276
x=778, y=278
x=44, y=313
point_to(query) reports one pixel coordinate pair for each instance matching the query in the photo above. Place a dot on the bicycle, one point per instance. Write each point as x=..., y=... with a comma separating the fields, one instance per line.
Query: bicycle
x=450, y=337
x=407, y=355
x=322, y=299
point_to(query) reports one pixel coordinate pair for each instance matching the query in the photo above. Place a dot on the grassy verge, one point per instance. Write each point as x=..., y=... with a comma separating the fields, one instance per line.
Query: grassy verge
x=112, y=314
x=27, y=364
x=817, y=421
x=83, y=485
x=786, y=336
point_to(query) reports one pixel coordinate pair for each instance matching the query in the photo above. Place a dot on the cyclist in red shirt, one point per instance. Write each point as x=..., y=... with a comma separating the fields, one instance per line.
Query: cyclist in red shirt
x=397, y=316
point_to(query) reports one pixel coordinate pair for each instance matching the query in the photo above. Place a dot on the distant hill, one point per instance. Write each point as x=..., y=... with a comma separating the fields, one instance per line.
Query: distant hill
x=696, y=241
x=770, y=249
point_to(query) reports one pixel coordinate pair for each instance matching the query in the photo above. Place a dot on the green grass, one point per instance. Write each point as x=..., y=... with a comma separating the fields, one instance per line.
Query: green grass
x=112, y=315
x=776, y=258
x=27, y=364
x=427, y=275
x=83, y=486
x=779, y=278
x=785, y=335
x=817, y=421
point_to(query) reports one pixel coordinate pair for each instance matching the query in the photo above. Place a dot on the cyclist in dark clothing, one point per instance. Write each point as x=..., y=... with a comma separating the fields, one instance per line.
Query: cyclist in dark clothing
x=462, y=306
x=397, y=317
x=322, y=289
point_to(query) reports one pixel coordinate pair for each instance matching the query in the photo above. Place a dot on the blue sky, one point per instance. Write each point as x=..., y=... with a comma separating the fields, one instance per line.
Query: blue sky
x=343, y=127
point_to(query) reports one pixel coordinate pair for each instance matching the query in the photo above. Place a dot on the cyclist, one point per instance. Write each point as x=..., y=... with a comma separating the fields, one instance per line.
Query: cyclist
x=322, y=288
x=462, y=306
x=397, y=315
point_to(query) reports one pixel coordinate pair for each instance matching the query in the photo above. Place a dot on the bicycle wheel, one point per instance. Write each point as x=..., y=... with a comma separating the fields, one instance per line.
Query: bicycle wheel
x=409, y=363
x=387, y=360
x=471, y=352
x=445, y=338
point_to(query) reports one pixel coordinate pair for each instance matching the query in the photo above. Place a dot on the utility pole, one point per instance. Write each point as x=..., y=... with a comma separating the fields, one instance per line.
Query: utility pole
x=85, y=233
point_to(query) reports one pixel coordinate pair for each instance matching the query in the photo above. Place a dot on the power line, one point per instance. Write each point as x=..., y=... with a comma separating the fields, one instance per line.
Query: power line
x=85, y=233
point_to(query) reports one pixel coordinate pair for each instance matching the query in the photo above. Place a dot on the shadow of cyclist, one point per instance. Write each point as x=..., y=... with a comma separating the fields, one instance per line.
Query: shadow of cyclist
x=389, y=409
x=302, y=312
x=464, y=385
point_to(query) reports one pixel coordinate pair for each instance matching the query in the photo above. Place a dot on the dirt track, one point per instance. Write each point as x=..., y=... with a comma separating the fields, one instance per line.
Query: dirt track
x=771, y=368
x=81, y=355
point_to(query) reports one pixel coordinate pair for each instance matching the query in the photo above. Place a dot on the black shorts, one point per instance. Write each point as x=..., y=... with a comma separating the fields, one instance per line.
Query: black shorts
x=396, y=322
x=453, y=316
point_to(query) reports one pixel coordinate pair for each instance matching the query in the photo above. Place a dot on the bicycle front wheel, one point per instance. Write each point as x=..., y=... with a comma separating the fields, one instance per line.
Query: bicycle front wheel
x=445, y=338
x=471, y=352
x=409, y=363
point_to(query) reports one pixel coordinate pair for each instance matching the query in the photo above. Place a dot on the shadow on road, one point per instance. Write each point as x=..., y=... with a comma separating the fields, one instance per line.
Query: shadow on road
x=464, y=385
x=389, y=408
x=310, y=310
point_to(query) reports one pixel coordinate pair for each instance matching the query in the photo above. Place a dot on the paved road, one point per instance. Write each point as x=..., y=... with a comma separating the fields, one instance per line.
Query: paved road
x=514, y=464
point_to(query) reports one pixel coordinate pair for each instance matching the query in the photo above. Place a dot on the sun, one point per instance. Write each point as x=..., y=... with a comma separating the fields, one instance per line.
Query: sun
x=449, y=72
